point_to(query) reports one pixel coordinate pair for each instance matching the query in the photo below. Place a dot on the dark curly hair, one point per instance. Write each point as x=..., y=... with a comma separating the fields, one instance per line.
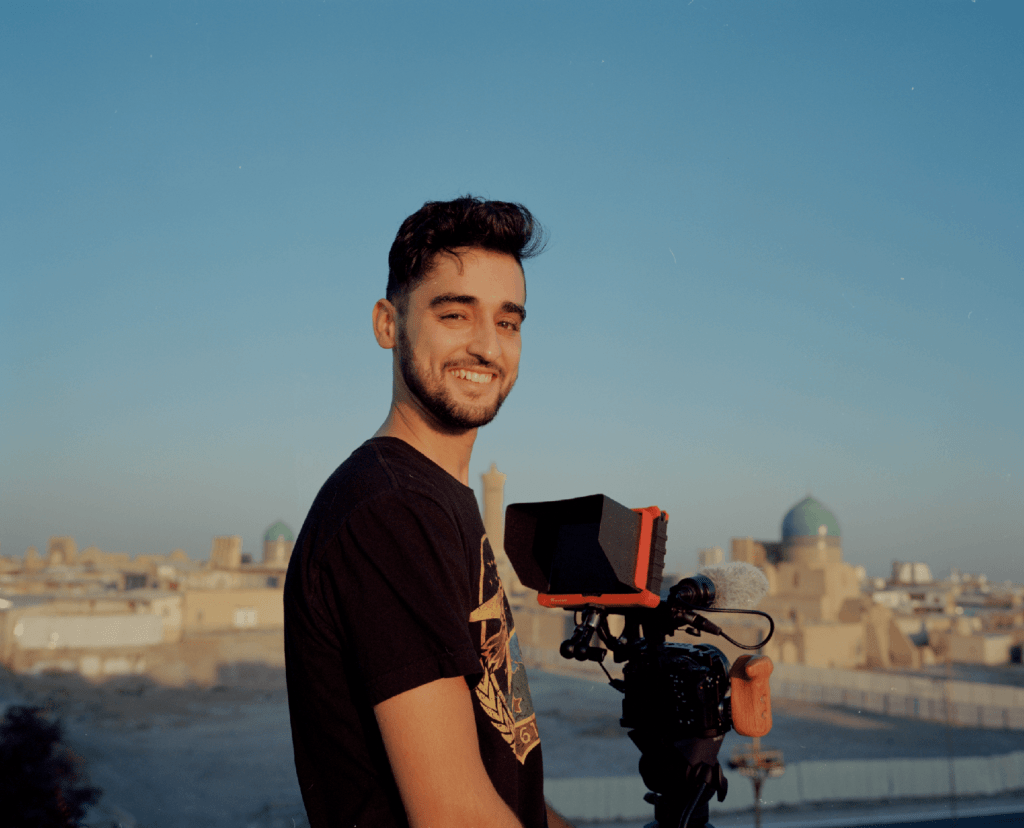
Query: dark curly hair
x=442, y=226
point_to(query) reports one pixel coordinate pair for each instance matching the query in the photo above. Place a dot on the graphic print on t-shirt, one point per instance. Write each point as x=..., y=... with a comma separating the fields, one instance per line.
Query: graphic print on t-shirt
x=503, y=691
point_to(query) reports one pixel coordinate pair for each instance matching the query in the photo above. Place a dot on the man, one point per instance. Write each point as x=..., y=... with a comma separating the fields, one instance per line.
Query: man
x=409, y=703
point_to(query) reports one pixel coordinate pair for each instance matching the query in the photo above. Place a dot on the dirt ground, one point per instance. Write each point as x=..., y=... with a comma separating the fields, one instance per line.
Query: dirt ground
x=220, y=756
x=216, y=757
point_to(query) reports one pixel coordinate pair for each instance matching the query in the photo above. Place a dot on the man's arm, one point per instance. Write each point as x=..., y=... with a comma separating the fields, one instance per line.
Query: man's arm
x=555, y=819
x=430, y=736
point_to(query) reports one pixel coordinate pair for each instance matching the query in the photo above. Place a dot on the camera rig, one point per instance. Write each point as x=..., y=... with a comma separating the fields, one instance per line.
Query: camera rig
x=597, y=558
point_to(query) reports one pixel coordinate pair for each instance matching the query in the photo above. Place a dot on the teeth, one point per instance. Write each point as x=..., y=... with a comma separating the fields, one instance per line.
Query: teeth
x=472, y=376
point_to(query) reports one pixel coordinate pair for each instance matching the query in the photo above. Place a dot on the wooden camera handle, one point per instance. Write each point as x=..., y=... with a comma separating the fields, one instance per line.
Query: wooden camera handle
x=751, y=696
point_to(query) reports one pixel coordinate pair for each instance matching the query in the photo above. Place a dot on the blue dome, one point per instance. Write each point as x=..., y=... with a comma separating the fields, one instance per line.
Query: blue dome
x=809, y=518
x=279, y=530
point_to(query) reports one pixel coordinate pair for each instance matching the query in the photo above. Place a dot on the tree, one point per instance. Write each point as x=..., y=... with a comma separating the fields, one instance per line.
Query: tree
x=41, y=784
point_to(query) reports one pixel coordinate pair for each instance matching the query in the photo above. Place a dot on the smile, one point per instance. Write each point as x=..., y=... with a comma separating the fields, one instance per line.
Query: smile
x=472, y=376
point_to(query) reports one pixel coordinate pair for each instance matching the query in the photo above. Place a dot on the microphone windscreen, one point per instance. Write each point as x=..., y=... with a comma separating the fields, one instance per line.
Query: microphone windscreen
x=738, y=585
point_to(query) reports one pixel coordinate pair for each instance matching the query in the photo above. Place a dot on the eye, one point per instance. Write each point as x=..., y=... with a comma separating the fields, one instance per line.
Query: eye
x=509, y=325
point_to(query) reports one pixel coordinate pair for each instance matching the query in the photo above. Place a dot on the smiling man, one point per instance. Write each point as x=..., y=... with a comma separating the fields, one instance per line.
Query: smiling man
x=408, y=698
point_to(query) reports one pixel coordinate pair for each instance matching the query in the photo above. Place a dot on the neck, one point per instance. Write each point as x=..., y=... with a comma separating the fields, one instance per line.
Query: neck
x=450, y=450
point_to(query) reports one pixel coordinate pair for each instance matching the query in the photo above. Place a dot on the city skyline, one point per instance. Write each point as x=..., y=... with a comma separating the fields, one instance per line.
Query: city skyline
x=252, y=551
x=785, y=257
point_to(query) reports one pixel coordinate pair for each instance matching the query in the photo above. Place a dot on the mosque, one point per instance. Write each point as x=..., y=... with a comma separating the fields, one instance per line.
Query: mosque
x=823, y=617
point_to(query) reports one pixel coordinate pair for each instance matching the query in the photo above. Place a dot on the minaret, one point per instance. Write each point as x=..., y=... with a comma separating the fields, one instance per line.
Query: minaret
x=494, y=506
x=494, y=525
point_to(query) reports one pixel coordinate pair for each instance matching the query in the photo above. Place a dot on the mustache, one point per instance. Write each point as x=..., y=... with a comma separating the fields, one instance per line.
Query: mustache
x=475, y=365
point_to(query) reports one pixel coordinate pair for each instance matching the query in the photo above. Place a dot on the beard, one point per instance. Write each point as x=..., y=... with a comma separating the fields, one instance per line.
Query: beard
x=435, y=398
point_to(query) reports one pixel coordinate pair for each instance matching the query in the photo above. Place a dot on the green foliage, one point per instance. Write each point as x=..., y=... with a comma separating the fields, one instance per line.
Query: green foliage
x=41, y=785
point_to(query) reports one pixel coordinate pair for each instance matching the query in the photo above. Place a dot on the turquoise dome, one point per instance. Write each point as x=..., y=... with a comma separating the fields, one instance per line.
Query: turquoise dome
x=278, y=531
x=809, y=518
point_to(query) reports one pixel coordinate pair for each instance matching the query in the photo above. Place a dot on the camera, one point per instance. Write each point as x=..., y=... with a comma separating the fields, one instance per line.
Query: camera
x=596, y=557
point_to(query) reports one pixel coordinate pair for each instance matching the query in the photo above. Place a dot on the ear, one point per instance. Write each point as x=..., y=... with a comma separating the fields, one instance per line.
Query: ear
x=385, y=322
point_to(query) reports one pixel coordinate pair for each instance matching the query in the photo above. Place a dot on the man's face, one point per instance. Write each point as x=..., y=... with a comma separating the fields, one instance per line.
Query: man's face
x=458, y=341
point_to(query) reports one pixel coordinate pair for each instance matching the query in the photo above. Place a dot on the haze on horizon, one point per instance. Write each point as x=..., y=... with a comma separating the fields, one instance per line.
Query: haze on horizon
x=785, y=256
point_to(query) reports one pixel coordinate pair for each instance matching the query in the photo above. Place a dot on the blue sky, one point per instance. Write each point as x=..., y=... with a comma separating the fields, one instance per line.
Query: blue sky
x=785, y=255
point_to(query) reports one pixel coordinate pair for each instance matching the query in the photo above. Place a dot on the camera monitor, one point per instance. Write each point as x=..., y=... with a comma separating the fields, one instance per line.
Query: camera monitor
x=588, y=551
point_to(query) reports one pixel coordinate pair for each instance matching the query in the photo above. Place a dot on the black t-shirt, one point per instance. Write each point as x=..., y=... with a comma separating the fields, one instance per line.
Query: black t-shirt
x=392, y=585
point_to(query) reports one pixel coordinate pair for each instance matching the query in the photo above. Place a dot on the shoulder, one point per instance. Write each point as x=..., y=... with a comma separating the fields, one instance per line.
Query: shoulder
x=386, y=464
x=407, y=468
x=386, y=482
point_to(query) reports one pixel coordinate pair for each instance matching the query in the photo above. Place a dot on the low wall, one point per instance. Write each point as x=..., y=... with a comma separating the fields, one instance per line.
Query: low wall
x=964, y=703
x=805, y=783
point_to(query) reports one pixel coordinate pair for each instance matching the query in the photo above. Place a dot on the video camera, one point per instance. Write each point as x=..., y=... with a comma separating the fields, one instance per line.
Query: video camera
x=597, y=558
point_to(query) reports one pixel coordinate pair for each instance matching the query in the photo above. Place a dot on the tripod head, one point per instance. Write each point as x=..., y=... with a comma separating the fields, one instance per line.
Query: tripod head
x=597, y=558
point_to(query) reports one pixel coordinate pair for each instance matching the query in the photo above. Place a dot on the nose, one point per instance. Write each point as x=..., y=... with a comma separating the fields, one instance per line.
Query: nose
x=485, y=344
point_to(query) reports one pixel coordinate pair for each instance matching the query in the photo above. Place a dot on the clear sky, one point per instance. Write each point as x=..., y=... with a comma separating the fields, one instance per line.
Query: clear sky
x=786, y=256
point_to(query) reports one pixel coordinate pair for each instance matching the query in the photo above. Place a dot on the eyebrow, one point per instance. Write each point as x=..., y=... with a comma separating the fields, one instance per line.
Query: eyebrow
x=460, y=299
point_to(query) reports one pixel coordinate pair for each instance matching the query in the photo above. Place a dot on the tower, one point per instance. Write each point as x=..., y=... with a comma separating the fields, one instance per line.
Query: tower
x=278, y=542
x=61, y=551
x=226, y=552
x=494, y=506
x=494, y=525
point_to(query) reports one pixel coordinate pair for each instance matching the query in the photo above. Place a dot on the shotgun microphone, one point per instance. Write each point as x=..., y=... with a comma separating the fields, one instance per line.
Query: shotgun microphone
x=735, y=585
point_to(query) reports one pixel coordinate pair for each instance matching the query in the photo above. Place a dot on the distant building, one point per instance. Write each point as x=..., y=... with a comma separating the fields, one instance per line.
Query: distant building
x=96, y=637
x=911, y=573
x=710, y=556
x=980, y=648
x=278, y=542
x=226, y=552
x=101, y=614
x=61, y=551
x=221, y=610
